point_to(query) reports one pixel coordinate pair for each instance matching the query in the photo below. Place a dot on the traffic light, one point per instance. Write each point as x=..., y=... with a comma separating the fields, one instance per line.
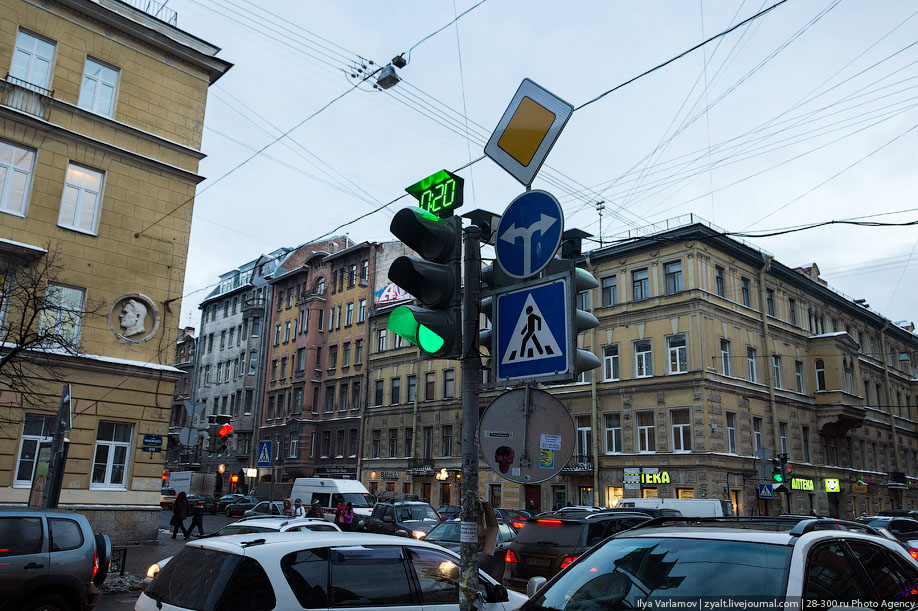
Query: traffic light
x=787, y=468
x=777, y=470
x=584, y=360
x=224, y=428
x=434, y=280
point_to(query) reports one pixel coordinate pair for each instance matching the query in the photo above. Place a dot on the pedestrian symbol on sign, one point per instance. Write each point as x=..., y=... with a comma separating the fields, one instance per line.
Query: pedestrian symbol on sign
x=264, y=454
x=532, y=340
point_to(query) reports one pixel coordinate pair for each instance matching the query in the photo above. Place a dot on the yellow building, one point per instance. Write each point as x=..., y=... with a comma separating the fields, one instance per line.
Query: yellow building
x=101, y=117
x=711, y=350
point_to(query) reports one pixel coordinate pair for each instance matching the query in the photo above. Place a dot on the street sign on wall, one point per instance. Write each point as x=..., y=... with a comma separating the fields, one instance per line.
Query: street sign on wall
x=529, y=233
x=264, y=454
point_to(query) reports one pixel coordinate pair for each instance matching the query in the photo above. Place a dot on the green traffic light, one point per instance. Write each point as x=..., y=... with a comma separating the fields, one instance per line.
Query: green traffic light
x=403, y=323
x=778, y=478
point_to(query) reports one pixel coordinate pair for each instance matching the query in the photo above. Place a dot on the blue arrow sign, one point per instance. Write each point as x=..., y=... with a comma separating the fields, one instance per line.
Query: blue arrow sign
x=264, y=454
x=529, y=233
x=766, y=491
x=531, y=328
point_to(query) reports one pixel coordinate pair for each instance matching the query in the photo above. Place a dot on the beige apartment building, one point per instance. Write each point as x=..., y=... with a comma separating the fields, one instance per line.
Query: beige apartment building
x=711, y=350
x=101, y=114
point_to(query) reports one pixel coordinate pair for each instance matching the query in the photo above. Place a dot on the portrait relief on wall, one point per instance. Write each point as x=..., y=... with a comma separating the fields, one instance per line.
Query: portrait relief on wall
x=134, y=318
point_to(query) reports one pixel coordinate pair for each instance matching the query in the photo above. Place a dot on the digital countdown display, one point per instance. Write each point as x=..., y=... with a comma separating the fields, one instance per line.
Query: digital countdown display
x=439, y=194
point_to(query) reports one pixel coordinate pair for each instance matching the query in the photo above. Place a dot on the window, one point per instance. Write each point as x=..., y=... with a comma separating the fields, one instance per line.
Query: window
x=584, y=447
x=352, y=443
x=16, y=165
x=329, y=399
x=412, y=389
x=321, y=322
x=438, y=576
x=297, y=400
x=339, y=445
x=332, y=357
x=393, y=443
x=380, y=340
x=294, y=446
x=62, y=317
x=277, y=335
x=273, y=370
x=361, y=310
x=643, y=359
x=731, y=432
x=792, y=311
x=428, y=442
x=719, y=283
x=338, y=321
x=32, y=60
x=256, y=327
x=430, y=384
x=346, y=355
x=446, y=441
x=830, y=574
x=349, y=315
x=611, y=369
x=81, y=199
x=725, y=356
x=326, y=444
x=378, y=393
x=113, y=446
x=65, y=534
x=223, y=340
x=232, y=336
x=640, y=284
x=798, y=375
x=776, y=366
x=371, y=577
x=342, y=396
x=100, y=83
x=394, y=389
x=756, y=434
x=286, y=331
x=355, y=394
x=358, y=352
x=821, y=374
x=613, y=433
x=678, y=358
x=646, y=441
x=610, y=290
x=682, y=430
x=750, y=363
x=301, y=359
x=319, y=287
x=770, y=301
x=449, y=384
x=672, y=275
x=782, y=432
x=806, y=444
x=36, y=429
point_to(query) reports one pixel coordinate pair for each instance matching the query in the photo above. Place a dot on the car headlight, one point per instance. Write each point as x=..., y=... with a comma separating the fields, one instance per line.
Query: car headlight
x=418, y=534
x=153, y=570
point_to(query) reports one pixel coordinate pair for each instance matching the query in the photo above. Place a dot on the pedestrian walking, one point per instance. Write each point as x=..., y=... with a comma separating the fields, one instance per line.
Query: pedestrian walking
x=288, y=508
x=180, y=509
x=339, y=513
x=197, y=519
x=347, y=518
x=316, y=510
x=298, y=510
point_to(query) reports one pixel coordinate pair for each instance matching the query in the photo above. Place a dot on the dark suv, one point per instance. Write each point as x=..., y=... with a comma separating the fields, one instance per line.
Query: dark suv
x=403, y=518
x=550, y=542
x=51, y=560
x=902, y=528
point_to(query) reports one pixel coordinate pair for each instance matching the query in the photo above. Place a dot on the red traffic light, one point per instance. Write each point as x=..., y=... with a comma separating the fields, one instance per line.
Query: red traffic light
x=234, y=478
x=225, y=430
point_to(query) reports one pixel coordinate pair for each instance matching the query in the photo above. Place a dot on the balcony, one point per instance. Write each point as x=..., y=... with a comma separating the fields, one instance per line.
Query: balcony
x=255, y=304
x=155, y=9
x=837, y=411
x=579, y=463
x=26, y=97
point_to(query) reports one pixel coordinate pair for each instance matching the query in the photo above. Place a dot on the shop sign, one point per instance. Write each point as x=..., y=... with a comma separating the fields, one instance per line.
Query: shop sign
x=388, y=474
x=654, y=476
x=859, y=488
x=798, y=483
x=632, y=478
x=832, y=485
x=336, y=470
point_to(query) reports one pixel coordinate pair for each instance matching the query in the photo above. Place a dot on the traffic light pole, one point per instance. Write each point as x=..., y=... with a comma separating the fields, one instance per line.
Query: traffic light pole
x=471, y=387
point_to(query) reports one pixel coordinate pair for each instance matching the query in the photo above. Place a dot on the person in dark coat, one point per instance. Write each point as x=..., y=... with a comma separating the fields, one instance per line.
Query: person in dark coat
x=197, y=519
x=180, y=508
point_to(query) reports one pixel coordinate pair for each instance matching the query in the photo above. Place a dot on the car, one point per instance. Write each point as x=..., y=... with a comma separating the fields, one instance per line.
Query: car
x=325, y=570
x=698, y=508
x=167, y=497
x=402, y=518
x=50, y=560
x=227, y=499
x=330, y=493
x=511, y=515
x=735, y=560
x=902, y=528
x=240, y=505
x=447, y=535
x=265, y=508
x=204, y=500
x=549, y=543
x=448, y=512
x=258, y=524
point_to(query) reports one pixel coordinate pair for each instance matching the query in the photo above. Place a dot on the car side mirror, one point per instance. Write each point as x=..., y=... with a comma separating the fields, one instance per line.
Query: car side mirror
x=388, y=519
x=533, y=585
x=496, y=593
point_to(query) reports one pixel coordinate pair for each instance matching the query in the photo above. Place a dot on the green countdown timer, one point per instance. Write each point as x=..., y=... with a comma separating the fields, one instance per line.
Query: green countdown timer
x=439, y=194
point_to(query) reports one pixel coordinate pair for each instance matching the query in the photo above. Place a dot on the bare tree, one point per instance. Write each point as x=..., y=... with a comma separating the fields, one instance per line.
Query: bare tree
x=40, y=322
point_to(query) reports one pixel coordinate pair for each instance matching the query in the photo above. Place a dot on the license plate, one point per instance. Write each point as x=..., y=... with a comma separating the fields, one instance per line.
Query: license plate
x=540, y=562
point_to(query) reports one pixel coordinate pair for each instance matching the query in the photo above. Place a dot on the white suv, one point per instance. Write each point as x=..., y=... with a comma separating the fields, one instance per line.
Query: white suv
x=341, y=570
x=773, y=561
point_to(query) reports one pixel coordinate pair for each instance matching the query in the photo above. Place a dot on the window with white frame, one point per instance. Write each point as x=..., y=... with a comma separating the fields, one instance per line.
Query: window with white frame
x=349, y=315
x=782, y=433
x=682, y=430
x=62, y=315
x=731, y=432
x=756, y=434
x=16, y=166
x=640, y=284
x=609, y=290
x=750, y=363
x=744, y=292
x=100, y=84
x=643, y=359
x=770, y=301
x=798, y=375
x=113, y=450
x=672, y=275
x=583, y=300
x=294, y=446
x=380, y=340
x=613, y=433
x=776, y=366
x=678, y=355
x=610, y=363
x=584, y=438
x=81, y=199
x=719, y=281
x=36, y=429
x=253, y=363
x=725, y=356
x=286, y=331
x=33, y=58
x=646, y=435
x=361, y=310
x=277, y=335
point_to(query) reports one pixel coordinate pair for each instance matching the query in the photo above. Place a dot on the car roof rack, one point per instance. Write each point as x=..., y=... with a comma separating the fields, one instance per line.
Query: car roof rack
x=797, y=525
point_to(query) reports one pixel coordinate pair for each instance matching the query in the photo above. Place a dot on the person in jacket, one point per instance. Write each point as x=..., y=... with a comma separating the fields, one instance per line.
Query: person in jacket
x=339, y=512
x=180, y=508
x=288, y=508
x=347, y=518
x=316, y=510
x=298, y=510
x=197, y=519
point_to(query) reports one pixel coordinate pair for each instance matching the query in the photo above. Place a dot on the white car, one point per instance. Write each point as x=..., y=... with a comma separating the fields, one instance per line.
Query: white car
x=258, y=524
x=265, y=571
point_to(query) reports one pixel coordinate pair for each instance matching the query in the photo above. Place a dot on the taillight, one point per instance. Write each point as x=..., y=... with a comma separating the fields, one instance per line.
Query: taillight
x=519, y=525
x=913, y=552
x=95, y=564
x=543, y=521
x=510, y=557
x=567, y=561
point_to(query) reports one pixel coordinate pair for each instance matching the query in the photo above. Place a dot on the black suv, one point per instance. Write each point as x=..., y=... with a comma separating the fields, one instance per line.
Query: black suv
x=403, y=518
x=50, y=560
x=551, y=542
x=902, y=528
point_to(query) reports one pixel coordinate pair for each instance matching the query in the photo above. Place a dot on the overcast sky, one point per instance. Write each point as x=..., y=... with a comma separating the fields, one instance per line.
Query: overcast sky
x=802, y=116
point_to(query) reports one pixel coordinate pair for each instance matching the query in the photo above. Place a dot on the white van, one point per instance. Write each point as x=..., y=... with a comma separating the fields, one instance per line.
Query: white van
x=329, y=492
x=690, y=508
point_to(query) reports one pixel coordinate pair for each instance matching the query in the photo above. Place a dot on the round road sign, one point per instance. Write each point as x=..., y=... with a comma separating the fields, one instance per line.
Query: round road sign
x=529, y=233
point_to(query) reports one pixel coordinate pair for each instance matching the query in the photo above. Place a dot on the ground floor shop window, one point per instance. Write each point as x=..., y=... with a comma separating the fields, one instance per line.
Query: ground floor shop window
x=586, y=495
x=374, y=486
x=558, y=497
x=735, y=500
x=446, y=494
x=650, y=493
x=406, y=488
x=494, y=495
x=613, y=495
x=390, y=486
x=685, y=493
x=35, y=430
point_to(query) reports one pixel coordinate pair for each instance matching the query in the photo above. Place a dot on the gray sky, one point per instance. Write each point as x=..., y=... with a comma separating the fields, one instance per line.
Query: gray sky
x=801, y=116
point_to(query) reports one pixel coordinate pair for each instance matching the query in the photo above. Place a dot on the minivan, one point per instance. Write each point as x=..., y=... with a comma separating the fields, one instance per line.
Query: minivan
x=690, y=508
x=329, y=492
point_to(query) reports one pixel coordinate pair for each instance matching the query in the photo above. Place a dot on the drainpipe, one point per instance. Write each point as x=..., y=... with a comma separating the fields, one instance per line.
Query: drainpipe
x=776, y=429
x=414, y=411
x=259, y=372
x=594, y=404
x=887, y=389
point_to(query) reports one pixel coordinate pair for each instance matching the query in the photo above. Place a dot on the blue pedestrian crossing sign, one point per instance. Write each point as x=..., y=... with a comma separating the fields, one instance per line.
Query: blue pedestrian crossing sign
x=529, y=233
x=532, y=331
x=264, y=454
x=766, y=491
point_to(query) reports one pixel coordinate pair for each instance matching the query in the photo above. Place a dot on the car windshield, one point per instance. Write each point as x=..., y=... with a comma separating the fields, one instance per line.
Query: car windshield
x=447, y=531
x=551, y=532
x=194, y=578
x=233, y=529
x=630, y=572
x=358, y=500
x=417, y=513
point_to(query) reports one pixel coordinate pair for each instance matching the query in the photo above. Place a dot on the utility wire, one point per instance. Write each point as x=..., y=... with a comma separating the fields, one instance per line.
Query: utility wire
x=437, y=31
